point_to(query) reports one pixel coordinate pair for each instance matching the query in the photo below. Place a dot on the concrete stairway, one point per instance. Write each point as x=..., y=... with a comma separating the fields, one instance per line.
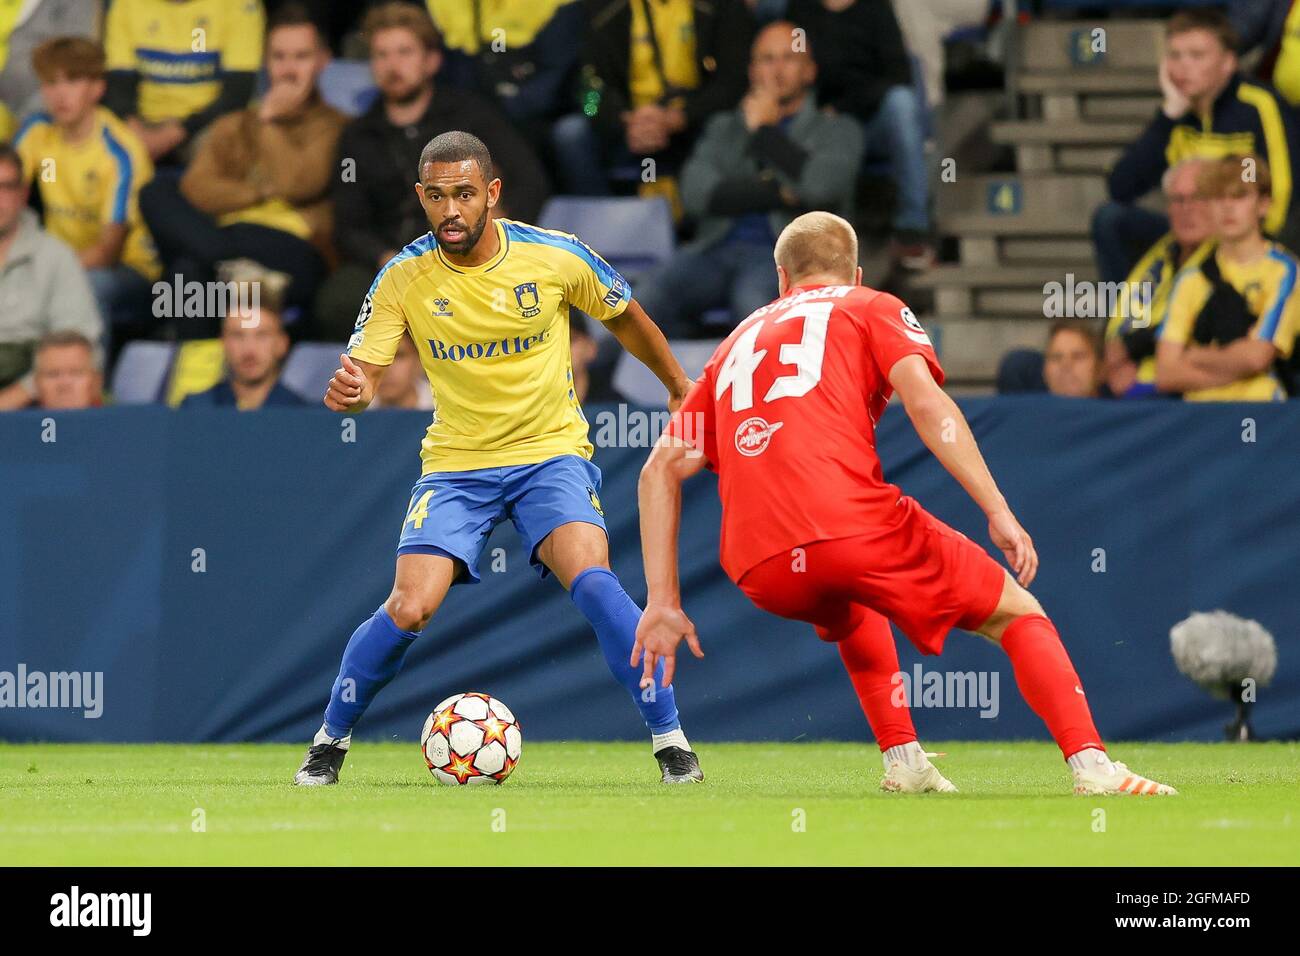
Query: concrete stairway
x=1083, y=97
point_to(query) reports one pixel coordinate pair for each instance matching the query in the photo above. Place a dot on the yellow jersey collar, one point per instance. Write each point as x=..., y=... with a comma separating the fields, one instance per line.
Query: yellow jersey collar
x=488, y=266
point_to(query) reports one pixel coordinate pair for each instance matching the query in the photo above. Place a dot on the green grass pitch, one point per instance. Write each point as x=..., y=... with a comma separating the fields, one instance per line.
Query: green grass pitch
x=586, y=803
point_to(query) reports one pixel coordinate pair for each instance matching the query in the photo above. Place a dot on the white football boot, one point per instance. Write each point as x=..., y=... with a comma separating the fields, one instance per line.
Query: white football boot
x=903, y=778
x=1105, y=776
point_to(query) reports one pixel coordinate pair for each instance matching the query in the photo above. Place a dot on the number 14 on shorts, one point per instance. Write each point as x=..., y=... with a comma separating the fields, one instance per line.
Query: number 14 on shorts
x=418, y=509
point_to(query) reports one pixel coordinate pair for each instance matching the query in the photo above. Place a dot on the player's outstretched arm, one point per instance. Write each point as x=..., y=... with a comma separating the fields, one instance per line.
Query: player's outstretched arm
x=353, y=386
x=659, y=493
x=943, y=428
x=637, y=333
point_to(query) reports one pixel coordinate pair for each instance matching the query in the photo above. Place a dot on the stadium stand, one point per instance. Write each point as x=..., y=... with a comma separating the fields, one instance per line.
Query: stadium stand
x=347, y=86
x=632, y=234
x=1031, y=161
x=638, y=384
x=309, y=366
x=1017, y=231
x=141, y=372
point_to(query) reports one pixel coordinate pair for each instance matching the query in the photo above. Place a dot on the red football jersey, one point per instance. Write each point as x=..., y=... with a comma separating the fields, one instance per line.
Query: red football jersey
x=785, y=412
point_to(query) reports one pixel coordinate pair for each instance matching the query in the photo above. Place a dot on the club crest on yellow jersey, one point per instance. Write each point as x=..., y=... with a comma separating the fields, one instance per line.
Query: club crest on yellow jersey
x=527, y=298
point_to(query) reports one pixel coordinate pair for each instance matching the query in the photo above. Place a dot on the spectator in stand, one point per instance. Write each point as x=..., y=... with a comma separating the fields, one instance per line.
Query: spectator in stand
x=404, y=385
x=754, y=169
x=654, y=72
x=1072, y=360
x=863, y=71
x=522, y=53
x=1130, y=359
x=376, y=208
x=42, y=286
x=259, y=184
x=89, y=166
x=1273, y=27
x=176, y=65
x=1208, y=106
x=24, y=27
x=66, y=375
x=1234, y=315
x=255, y=344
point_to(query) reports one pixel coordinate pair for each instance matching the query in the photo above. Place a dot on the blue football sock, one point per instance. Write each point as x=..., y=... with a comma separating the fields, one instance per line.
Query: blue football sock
x=372, y=658
x=614, y=615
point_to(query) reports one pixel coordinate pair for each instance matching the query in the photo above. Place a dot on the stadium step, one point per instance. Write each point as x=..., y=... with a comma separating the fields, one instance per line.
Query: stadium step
x=998, y=291
x=1067, y=251
x=1001, y=276
x=1058, y=63
x=1146, y=80
x=1060, y=146
x=1040, y=132
x=1019, y=205
x=1082, y=47
x=1139, y=109
x=1085, y=159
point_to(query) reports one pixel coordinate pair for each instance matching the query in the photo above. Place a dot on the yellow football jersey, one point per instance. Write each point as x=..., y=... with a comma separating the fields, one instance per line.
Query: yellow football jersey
x=1268, y=284
x=180, y=49
x=1286, y=68
x=673, y=22
x=1147, y=300
x=469, y=27
x=494, y=342
x=89, y=185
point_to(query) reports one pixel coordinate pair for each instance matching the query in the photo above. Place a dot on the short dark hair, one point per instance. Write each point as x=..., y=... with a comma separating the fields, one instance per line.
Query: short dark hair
x=1224, y=177
x=405, y=16
x=454, y=146
x=10, y=155
x=294, y=14
x=62, y=338
x=78, y=58
x=1204, y=18
x=1084, y=329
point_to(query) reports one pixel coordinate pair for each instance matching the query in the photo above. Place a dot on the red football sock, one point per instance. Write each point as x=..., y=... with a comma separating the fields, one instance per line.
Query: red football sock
x=1049, y=684
x=871, y=659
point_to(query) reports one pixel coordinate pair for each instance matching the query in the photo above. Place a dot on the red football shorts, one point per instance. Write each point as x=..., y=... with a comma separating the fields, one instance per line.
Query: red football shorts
x=920, y=573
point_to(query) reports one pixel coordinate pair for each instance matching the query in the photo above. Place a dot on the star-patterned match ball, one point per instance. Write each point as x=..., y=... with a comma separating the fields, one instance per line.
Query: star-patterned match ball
x=471, y=739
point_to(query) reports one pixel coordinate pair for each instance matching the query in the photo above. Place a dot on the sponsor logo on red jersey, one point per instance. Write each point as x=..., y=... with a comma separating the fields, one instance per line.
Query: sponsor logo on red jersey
x=753, y=436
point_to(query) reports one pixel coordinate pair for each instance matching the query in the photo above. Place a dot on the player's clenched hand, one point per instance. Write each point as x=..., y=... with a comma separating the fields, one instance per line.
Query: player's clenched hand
x=675, y=400
x=1015, y=544
x=346, y=386
x=660, y=630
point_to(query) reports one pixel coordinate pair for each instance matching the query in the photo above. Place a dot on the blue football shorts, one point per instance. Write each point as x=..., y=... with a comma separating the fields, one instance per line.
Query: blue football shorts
x=452, y=513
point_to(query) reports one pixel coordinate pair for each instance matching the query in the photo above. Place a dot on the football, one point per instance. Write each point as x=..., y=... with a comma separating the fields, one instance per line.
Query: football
x=470, y=739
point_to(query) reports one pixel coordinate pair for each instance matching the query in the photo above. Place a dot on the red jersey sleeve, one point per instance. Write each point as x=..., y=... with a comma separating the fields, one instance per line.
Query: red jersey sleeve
x=694, y=422
x=892, y=332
